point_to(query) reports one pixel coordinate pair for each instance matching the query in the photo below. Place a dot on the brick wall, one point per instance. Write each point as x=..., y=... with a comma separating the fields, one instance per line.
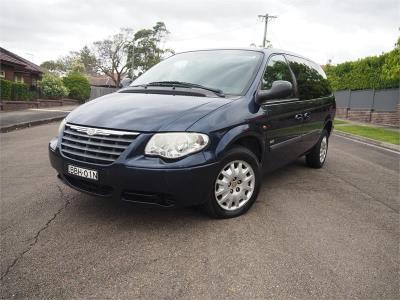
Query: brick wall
x=342, y=112
x=359, y=115
x=41, y=103
x=370, y=116
x=386, y=118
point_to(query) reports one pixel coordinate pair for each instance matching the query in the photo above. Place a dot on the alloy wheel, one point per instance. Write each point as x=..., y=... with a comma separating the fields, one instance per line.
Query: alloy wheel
x=234, y=185
x=323, y=149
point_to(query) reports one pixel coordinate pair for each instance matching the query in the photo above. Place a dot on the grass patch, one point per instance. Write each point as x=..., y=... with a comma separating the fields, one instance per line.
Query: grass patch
x=391, y=136
x=339, y=122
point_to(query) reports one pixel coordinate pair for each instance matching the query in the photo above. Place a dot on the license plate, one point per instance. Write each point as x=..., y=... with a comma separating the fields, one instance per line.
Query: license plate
x=82, y=172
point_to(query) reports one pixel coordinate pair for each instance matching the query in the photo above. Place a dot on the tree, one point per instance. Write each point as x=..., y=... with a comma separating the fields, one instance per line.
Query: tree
x=88, y=60
x=149, y=47
x=131, y=52
x=81, y=61
x=112, y=54
x=58, y=66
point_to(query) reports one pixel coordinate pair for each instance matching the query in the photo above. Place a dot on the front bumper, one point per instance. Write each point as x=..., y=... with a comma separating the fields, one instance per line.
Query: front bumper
x=163, y=187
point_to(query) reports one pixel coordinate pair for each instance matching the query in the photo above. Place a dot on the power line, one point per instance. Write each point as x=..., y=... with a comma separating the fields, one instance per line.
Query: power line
x=265, y=18
x=214, y=33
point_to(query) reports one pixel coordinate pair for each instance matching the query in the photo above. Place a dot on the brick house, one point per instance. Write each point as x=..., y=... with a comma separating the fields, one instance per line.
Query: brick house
x=17, y=69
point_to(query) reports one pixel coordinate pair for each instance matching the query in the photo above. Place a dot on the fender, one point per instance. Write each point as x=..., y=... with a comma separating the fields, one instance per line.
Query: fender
x=236, y=133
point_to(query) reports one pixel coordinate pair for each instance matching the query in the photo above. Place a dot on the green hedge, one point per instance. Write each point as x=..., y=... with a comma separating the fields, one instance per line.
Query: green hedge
x=20, y=91
x=5, y=89
x=366, y=73
x=13, y=90
x=78, y=86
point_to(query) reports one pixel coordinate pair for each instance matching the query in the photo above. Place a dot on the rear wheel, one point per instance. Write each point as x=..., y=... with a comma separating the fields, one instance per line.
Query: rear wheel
x=236, y=184
x=316, y=158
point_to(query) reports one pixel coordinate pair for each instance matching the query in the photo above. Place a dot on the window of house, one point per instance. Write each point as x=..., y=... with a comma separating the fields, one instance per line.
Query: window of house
x=2, y=74
x=19, y=78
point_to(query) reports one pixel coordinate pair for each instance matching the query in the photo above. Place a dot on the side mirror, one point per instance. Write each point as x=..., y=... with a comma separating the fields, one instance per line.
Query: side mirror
x=280, y=89
x=125, y=82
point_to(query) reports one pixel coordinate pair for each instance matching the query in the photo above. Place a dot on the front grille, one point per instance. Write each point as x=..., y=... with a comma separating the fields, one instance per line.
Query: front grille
x=95, y=145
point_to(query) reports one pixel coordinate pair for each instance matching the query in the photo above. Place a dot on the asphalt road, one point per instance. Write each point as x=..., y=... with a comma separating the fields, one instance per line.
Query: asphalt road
x=329, y=233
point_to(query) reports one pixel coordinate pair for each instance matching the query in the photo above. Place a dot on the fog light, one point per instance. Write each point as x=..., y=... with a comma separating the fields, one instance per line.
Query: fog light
x=53, y=144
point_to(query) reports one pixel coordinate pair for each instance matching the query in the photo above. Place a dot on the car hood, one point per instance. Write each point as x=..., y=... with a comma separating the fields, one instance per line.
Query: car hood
x=144, y=112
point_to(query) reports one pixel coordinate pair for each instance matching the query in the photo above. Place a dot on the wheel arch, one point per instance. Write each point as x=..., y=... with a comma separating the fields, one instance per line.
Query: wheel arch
x=242, y=136
x=328, y=124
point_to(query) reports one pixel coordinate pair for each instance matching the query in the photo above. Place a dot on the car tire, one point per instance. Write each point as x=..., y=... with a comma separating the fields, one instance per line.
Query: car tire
x=317, y=157
x=234, y=190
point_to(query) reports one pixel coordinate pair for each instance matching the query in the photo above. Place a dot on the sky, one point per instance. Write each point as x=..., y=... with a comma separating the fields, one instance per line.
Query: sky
x=320, y=30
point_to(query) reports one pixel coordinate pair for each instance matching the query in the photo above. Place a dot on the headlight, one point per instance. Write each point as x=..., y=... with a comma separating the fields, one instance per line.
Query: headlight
x=176, y=144
x=61, y=127
x=54, y=142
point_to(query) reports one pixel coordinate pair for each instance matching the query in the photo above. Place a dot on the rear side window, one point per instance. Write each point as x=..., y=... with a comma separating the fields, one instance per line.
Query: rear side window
x=311, y=79
x=277, y=69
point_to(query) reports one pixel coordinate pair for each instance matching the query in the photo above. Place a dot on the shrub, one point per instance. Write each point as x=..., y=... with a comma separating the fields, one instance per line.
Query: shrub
x=33, y=95
x=374, y=72
x=52, y=87
x=5, y=89
x=78, y=85
x=20, y=91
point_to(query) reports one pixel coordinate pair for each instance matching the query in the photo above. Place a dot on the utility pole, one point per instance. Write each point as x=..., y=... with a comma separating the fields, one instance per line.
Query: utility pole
x=265, y=18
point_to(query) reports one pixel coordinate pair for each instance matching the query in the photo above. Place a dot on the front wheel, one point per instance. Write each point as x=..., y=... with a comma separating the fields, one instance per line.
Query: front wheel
x=236, y=184
x=316, y=158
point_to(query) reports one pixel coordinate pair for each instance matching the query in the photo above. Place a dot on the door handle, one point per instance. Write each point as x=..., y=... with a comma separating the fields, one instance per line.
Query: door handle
x=298, y=117
x=307, y=115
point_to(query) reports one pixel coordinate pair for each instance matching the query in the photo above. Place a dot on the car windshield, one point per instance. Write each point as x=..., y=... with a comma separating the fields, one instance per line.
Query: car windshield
x=230, y=71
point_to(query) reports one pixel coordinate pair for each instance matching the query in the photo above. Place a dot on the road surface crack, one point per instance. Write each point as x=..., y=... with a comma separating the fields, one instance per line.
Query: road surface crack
x=36, y=236
x=363, y=192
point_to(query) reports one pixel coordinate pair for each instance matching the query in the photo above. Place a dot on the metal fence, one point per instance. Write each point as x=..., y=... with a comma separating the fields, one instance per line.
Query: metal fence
x=378, y=100
x=97, y=91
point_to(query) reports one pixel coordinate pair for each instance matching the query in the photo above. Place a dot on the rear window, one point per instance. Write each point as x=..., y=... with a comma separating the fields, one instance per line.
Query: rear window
x=311, y=79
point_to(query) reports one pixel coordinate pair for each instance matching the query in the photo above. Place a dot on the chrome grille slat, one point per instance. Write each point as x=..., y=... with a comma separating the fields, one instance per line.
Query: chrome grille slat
x=89, y=142
x=95, y=145
x=91, y=150
x=99, y=137
x=76, y=153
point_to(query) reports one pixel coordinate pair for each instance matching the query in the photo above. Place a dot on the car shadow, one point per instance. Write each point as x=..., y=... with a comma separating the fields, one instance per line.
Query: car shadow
x=111, y=210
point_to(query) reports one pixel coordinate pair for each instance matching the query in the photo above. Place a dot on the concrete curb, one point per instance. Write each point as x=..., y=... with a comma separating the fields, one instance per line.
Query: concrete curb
x=368, y=141
x=30, y=124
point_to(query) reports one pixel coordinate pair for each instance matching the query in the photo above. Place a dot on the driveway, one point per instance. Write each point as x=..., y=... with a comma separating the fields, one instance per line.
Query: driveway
x=328, y=233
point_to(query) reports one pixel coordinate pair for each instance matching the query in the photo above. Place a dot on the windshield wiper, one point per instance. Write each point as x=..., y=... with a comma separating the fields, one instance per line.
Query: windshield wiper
x=219, y=92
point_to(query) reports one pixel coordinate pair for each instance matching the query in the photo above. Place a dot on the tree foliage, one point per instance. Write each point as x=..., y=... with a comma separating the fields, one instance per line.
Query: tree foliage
x=148, y=48
x=374, y=72
x=52, y=86
x=77, y=61
x=130, y=52
x=125, y=52
x=78, y=86
x=112, y=54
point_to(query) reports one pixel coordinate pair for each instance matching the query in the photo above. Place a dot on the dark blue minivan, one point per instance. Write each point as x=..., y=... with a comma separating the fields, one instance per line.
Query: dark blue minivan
x=199, y=128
